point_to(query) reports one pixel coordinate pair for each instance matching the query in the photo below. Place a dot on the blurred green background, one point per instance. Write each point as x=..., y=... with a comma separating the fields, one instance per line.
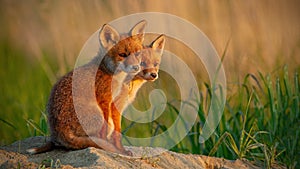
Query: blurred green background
x=40, y=41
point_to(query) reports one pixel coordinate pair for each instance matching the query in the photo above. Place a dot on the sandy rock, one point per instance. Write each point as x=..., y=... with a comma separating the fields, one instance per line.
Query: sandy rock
x=15, y=156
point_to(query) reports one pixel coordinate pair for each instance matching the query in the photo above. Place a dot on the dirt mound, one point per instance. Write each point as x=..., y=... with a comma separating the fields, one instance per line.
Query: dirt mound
x=15, y=156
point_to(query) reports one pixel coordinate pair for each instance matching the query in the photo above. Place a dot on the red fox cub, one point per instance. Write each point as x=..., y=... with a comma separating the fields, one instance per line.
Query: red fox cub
x=79, y=109
x=151, y=58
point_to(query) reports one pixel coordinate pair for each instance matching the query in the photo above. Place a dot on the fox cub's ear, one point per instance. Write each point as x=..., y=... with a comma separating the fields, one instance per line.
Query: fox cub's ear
x=158, y=44
x=108, y=36
x=139, y=29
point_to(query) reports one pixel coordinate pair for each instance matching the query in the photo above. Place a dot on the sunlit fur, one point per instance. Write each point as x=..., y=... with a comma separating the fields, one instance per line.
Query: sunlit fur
x=94, y=94
x=151, y=58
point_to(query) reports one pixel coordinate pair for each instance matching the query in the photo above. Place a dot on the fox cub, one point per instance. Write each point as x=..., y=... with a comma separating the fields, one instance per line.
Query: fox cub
x=151, y=58
x=80, y=102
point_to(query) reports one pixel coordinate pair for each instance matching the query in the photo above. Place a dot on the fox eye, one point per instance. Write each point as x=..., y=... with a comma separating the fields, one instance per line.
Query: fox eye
x=123, y=55
x=143, y=63
x=155, y=64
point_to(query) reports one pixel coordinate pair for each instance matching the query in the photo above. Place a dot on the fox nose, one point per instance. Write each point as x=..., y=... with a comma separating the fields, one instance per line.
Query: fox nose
x=135, y=67
x=154, y=75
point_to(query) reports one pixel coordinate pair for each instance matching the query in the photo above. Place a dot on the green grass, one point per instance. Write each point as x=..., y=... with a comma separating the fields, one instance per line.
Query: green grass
x=24, y=93
x=260, y=121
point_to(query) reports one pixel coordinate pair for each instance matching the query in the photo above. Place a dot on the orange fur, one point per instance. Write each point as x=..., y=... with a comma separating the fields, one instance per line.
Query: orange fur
x=86, y=127
x=151, y=58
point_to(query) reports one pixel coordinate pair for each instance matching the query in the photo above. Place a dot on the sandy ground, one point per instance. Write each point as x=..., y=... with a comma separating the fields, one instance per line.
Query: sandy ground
x=15, y=156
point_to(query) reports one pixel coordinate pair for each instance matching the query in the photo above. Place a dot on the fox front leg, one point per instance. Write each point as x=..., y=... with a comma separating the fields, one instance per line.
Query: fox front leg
x=106, y=114
x=116, y=135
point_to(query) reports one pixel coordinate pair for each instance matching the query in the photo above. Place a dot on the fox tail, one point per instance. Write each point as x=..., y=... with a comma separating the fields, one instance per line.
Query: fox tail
x=47, y=147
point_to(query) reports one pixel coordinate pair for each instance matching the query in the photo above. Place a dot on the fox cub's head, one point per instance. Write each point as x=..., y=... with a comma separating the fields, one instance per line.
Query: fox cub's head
x=122, y=51
x=151, y=58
